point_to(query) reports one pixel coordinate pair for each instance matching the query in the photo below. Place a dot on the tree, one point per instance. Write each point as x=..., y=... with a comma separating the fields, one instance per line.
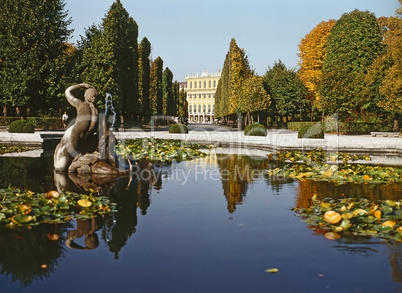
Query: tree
x=182, y=104
x=155, y=87
x=169, y=103
x=235, y=71
x=311, y=58
x=121, y=32
x=388, y=67
x=252, y=97
x=144, y=67
x=239, y=71
x=352, y=46
x=110, y=59
x=33, y=51
x=286, y=90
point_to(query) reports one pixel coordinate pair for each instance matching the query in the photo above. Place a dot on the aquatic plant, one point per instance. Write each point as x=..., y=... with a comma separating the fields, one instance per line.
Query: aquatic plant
x=12, y=149
x=351, y=217
x=26, y=208
x=157, y=150
x=333, y=167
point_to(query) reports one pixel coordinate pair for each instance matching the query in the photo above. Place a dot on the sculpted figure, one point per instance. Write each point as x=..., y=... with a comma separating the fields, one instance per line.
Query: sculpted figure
x=81, y=137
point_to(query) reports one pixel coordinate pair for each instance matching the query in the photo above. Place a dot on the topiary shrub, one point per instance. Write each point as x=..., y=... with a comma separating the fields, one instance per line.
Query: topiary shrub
x=21, y=126
x=255, y=130
x=178, y=128
x=314, y=131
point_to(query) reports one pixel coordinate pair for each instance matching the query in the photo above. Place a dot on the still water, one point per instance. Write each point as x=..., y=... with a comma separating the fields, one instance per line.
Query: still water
x=214, y=224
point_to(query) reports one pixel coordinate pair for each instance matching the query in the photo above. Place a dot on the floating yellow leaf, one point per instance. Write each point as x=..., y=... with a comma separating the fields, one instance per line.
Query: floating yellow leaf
x=338, y=229
x=272, y=270
x=389, y=223
x=367, y=177
x=332, y=217
x=359, y=212
x=84, y=203
x=377, y=214
x=347, y=216
x=373, y=208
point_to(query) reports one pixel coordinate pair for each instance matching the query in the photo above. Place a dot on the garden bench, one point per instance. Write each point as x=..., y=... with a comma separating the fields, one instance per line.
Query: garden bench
x=395, y=134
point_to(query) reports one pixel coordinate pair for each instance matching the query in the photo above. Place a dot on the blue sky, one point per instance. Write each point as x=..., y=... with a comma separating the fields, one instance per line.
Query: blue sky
x=192, y=36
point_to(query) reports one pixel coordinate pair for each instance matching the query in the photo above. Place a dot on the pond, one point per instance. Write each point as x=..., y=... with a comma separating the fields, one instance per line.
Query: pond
x=213, y=224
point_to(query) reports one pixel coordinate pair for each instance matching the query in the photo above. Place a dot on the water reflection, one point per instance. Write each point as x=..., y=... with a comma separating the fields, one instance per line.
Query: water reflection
x=322, y=189
x=29, y=255
x=239, y=171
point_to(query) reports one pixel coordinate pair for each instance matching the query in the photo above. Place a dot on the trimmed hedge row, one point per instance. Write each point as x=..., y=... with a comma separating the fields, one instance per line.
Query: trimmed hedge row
x=21, y=126
x=344, y=127
x=38, y=122
x=296, y=126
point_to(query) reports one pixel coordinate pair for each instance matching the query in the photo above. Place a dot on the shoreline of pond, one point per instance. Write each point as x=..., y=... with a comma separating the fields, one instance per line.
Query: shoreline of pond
x=276, y=140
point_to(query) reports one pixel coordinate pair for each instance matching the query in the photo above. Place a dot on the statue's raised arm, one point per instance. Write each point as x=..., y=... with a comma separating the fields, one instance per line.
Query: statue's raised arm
x=71, y=98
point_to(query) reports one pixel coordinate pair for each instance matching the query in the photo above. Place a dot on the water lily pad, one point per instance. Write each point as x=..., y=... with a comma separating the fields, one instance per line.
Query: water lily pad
x=332, y=217
x=20, y=219
x=84, y=203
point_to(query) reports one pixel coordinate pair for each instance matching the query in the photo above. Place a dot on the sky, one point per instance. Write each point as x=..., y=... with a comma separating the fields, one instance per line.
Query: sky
x=193, y=36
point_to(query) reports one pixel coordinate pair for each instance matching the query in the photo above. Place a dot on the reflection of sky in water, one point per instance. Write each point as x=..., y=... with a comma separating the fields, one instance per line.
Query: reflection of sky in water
x=209, y=236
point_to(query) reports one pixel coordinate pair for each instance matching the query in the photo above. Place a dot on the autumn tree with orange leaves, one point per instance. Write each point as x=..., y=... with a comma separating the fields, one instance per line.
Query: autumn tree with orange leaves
x=311, y=58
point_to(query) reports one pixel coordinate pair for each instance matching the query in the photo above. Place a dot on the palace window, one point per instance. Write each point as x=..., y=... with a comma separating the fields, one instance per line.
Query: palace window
x=190, y=109
x=209, y=84
x=214, y=83
x=205, y=108
x=191, y=84
x=199, y=83
x=209, y=108
x=199, y=108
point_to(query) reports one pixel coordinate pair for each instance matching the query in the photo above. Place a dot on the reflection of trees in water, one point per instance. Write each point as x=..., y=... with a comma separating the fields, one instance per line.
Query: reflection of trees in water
x=31, y=173
x=307, y=188
x=395, y=260
x=237, y=171
x=24, y=251
x=121, y=225
x=27, y=254
x=357, y=245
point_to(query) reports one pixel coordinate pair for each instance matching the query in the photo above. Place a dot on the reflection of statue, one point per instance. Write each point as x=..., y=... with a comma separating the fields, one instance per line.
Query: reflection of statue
x=87, y=228
x=87, y=146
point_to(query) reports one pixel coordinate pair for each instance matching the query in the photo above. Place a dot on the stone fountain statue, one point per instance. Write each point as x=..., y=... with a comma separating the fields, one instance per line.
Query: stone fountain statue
x=87, y=145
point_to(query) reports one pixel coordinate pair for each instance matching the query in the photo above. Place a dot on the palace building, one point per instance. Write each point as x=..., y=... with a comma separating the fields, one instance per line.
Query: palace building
x=201, y=90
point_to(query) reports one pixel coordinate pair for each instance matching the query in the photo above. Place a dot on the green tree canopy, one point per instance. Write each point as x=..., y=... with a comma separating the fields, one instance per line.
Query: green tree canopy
x=252, y=96
x=33, y=53
x=352, y=46
x=110, y=59
x=155, y=87
x=286, y=90
x=169, y=104
x=144, y=68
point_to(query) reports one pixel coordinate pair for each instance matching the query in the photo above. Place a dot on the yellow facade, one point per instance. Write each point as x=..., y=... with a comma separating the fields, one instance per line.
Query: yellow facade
x=201, y=90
